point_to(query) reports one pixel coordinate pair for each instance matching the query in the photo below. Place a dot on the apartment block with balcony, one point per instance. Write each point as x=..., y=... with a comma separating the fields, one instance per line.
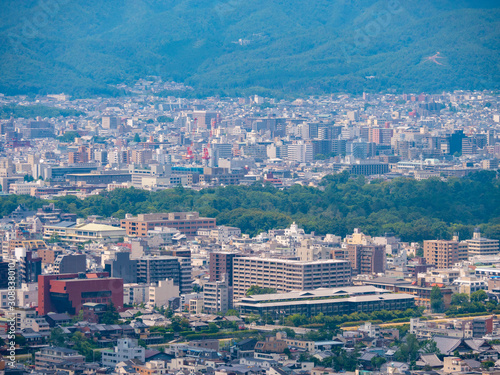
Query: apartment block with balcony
x=441, y=253
x=288, y=275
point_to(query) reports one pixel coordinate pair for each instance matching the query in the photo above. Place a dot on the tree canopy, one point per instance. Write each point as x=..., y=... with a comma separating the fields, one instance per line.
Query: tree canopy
x=338, y=206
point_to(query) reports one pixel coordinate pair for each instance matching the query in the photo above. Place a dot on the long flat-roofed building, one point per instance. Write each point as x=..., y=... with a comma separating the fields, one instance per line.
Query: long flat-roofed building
x=186, y=222
x=329, y=301
x=288, y=275
x=73, y=232
x=482, y=246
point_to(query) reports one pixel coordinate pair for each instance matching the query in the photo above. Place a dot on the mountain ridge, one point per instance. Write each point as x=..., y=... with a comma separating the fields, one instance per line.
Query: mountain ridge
x=235, y=47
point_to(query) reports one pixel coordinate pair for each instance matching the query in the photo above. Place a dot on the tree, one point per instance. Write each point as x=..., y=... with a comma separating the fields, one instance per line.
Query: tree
x=288, y=352
x=110, y=316
x=79, y=317
x=430, y=347
x=212, y=328
x=20, y=341
x=54, y=238
x=487, y=364
x=377, y=362
x=256, y=289
x=137, y=138
x=408, y=351
x=459, y=299
x=232, y=312
x=164, y=119
x=437, y=302
x=479, y=296
x=28, y=178
x=57, y=337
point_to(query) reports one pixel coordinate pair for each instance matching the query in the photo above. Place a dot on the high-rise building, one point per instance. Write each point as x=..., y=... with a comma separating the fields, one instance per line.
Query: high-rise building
x=4, y=275
x=220, y=264
x=366, y=259
x=204, y=118
x=300, y=152
x=482, y=246
x=29, y=266
x=441, y=253
x=70, y=263
x=122, y=266
x=286, y=275
x=151, y=269
x=217, y=297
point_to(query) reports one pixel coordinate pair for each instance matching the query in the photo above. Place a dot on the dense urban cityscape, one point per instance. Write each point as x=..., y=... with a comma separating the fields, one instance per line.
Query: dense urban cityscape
x=150, y=234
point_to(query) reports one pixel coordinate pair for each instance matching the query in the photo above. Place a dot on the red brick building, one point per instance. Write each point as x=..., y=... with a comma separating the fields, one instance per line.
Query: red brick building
x=66, y=293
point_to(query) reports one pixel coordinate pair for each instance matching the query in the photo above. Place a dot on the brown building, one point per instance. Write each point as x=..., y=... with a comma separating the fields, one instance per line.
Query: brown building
x=186, y=222
x=441, y=253
x=366, y=259
x=49, y=255
x=221, y=263
x=271, y=345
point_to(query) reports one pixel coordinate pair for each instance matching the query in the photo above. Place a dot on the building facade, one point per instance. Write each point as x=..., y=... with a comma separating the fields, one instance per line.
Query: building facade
x=186, y=222
x=443, y=254
x=287, y=275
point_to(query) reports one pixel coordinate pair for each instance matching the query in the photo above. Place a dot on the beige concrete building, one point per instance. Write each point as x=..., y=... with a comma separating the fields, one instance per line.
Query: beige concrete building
x=443, y=254
x=288, y=275
x=482, y=246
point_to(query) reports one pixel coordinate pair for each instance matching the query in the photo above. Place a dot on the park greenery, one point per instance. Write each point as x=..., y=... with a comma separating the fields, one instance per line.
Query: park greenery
x=413, y=210
x=255, y=289
x=257, y=47
x=477, y=303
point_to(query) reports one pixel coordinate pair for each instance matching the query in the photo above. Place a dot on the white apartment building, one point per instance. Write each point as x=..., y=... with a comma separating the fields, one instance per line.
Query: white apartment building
x=125, y=350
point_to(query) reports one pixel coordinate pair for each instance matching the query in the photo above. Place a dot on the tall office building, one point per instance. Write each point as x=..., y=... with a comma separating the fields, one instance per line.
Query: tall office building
x=152, y=269
x=300, y=152
x=217, y=297
x=122, y=266
x=286, y=275
x=441, y=253
x=70, y=263
x=110, y=122
x=366, y=259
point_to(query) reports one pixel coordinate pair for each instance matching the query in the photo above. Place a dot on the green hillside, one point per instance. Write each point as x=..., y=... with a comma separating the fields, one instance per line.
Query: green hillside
x=236, y=47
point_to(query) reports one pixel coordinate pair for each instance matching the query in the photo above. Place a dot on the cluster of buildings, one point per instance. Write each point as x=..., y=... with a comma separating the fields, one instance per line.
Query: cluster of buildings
x=70, y=274
x=156, y=269
x=151, y=142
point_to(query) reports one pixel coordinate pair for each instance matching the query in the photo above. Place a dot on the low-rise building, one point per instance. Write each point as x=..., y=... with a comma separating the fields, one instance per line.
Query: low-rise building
x=49, y=357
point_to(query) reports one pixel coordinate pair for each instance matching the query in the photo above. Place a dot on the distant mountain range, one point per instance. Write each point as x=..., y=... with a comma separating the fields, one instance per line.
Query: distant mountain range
x=236, y=47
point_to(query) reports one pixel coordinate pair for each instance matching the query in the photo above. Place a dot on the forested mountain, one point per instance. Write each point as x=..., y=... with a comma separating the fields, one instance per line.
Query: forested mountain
x=414, y=210
x=259, y=46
